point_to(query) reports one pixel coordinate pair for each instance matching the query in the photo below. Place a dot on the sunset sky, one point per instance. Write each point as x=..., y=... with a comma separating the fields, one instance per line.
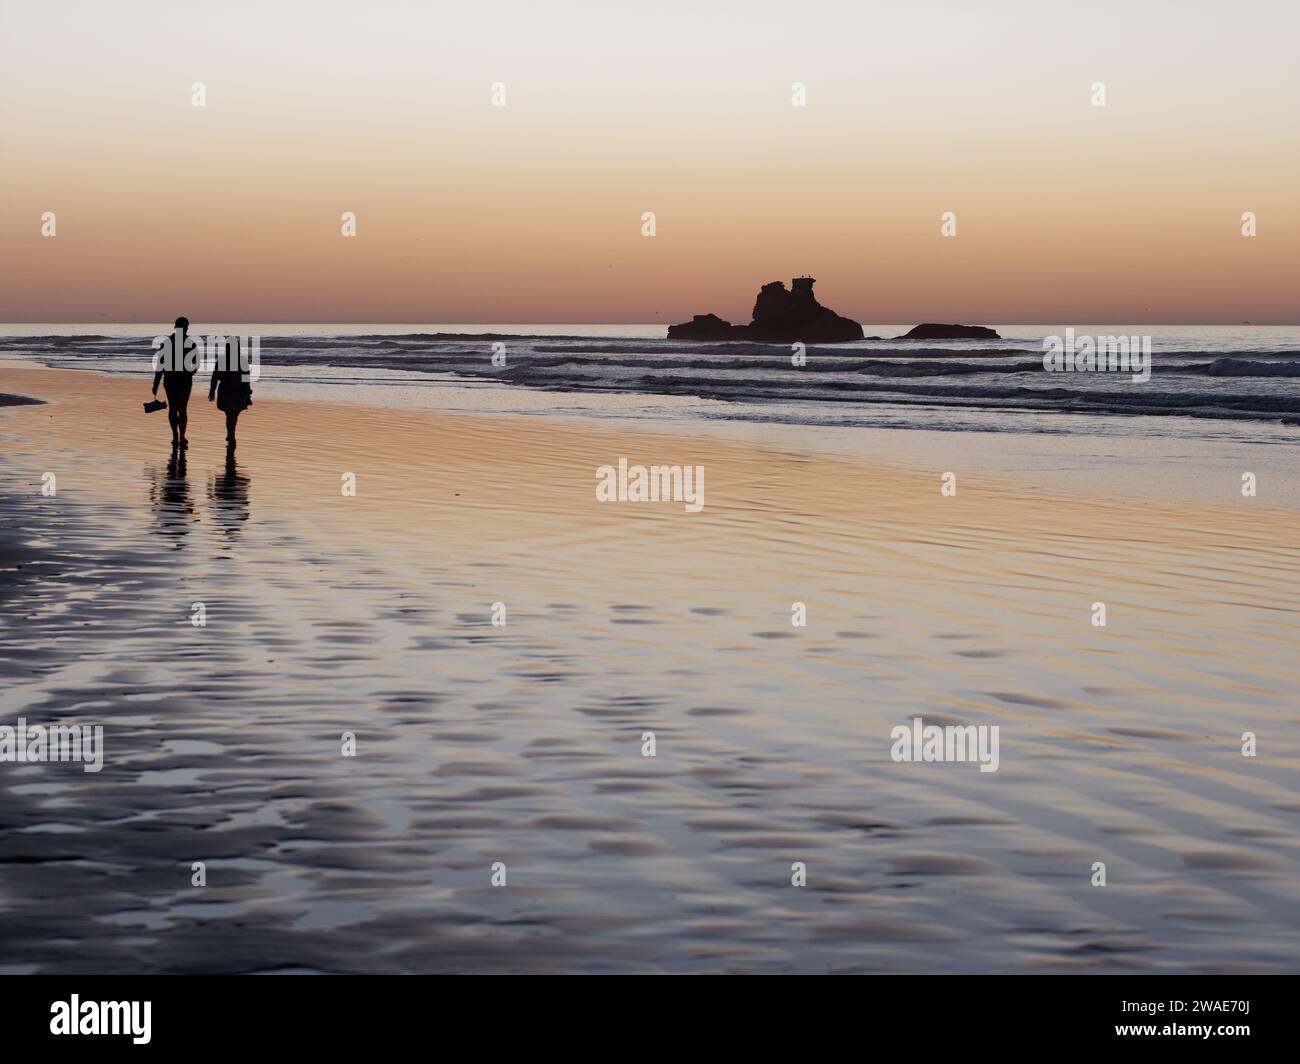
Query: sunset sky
x=531, y=212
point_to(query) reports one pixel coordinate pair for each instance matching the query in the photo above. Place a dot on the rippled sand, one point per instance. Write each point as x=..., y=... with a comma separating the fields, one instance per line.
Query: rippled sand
x=523, y=744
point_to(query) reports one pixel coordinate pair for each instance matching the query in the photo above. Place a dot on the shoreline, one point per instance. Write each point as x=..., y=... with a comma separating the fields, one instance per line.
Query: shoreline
x=1201, y=471
x=522, y=743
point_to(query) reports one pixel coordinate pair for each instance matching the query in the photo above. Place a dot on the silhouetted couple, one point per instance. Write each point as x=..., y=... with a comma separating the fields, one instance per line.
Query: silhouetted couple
x=176, y=370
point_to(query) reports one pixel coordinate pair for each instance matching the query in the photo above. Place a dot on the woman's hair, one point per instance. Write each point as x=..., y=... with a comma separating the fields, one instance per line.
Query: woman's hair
x=183, y=324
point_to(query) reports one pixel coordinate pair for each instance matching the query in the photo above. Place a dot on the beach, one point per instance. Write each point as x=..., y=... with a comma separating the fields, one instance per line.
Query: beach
x=516, y=750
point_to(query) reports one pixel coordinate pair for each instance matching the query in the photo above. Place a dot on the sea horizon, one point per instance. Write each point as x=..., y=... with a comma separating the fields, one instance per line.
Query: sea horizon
x=19, y=327
x=1195, y=381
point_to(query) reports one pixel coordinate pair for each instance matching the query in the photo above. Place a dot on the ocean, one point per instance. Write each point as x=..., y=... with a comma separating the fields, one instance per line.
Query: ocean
x=1202, y=380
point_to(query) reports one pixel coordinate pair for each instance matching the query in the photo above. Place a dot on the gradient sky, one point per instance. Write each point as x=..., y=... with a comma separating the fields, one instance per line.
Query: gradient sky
x=532, y=212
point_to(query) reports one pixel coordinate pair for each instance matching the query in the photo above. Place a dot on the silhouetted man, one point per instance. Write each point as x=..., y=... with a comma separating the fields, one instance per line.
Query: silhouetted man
x=176, y=370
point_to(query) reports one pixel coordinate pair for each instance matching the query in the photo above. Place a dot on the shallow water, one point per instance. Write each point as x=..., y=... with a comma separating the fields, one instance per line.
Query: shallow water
x=1207, y=374
x=523, y=744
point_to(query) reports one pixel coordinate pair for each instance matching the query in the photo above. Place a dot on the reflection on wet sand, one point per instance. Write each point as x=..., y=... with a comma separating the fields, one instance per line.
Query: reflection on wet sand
x=169, y=495
x=228, y=493
x=523, y=744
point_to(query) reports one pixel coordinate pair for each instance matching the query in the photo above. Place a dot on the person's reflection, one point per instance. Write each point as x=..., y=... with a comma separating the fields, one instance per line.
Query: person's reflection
x=170, y=495
x=228, y=491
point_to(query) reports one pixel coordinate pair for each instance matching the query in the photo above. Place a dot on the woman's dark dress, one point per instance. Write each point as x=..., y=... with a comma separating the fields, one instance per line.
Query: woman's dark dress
x=233, y=392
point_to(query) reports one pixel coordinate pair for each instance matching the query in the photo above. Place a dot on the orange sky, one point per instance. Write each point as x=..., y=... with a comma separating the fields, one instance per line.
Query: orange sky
x=467, y=212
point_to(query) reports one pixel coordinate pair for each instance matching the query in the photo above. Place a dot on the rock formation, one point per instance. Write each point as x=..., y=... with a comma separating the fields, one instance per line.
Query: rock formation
x=780, y=316
x=702, y=327
x=930, y=331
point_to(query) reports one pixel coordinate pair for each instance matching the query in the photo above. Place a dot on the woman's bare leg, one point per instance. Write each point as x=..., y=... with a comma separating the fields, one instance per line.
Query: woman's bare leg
x=231, y=417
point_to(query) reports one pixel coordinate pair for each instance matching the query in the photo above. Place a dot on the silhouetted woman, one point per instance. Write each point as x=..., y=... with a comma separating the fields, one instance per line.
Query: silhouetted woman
x=232, y=393
x=176, y=371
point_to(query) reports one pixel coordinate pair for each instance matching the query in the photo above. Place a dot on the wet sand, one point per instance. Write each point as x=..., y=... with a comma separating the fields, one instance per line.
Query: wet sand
x=522, y=744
